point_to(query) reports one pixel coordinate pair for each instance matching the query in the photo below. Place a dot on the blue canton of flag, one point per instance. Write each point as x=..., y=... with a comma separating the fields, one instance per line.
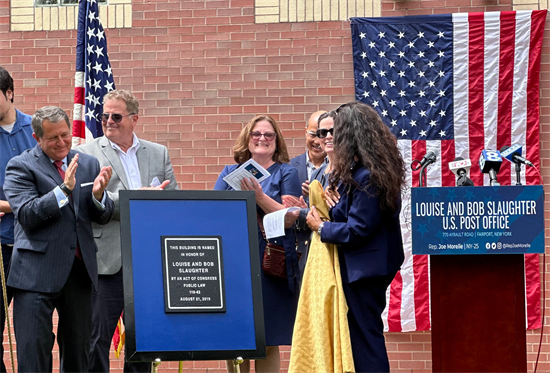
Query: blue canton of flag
x=94, y=77
x=404, y=71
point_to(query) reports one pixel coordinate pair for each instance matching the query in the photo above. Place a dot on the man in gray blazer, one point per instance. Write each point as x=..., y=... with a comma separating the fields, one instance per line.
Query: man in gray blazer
x=136, y=164
x=55, y=194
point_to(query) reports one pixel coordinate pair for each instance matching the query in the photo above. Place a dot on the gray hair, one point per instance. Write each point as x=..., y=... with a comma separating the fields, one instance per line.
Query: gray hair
x=53, y=114
x=132, y=104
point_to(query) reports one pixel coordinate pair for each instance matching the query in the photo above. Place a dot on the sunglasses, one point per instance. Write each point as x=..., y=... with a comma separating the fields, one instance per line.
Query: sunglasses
x=117, y=118
x=312, y=133
x=323, y=132
x=269, y=136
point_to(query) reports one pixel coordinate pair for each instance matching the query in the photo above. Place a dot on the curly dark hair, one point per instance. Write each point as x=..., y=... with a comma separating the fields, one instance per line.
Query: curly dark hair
x=360, y=137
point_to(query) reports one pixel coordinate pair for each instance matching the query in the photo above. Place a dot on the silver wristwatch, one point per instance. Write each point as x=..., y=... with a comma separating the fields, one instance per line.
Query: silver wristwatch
x=320, y=228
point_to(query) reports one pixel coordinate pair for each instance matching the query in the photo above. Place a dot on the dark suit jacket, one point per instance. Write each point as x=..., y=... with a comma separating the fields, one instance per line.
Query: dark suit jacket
x=300, y=163
x=368, y=238
x=45, y=235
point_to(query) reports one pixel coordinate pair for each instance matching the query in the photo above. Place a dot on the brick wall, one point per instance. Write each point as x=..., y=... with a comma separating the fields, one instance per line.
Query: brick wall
x=203, y=68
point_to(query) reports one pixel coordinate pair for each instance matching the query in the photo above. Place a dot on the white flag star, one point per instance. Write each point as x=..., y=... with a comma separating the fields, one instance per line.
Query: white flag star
x=91, y=16
x=412, y=103
x=411, y=64
x=422, y=133
x=384, y=113
x=98, y=51
x=373, y=84
x=393, y=123
x=364, y=55
x=89, y=114
x=403, y=113
x=411, y=83
x=441, y=53
x=433, y=123
x=382, y=54
x=402, y=94
x=441, y=133
x=365, y=74
x=391, y=83
x=401, y=35
x=100, y=35
x=420, y=34
x=109, y=86
x=391, y=44
x=372, y=44
x=441, y=74
x=372, y=64
x=375, y=104
x=421, y=74
x=413, y=123
x=90, y=49
x=403, y=132
x=420, y=54
x=91, y=33
x=97, y=84
x=422, y=113
x=401, y=54
x=382, y=73
x=411, y=44
x=401, y=74
x=392, y=64
x=441, y=93
x=392, y=103
x=108, y=70
x=381, y=35
x=440, y=34
x=421, y=93
x=362, y=35
x=431, y=103
x=383, y=93
x=366, y=94
x=97, y=67
x=90, y=97
x=431, y=83
x=431, y=64
x=442, y=113
x=430, y=44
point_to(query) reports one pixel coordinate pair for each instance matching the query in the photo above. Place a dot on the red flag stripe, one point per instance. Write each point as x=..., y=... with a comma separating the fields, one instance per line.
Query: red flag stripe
x=394, y=309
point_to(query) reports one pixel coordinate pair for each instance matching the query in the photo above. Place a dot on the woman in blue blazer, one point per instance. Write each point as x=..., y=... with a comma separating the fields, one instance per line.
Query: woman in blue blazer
x=368, y=174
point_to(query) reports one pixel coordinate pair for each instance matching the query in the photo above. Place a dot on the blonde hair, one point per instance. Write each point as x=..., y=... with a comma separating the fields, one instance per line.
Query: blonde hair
x=241, y=153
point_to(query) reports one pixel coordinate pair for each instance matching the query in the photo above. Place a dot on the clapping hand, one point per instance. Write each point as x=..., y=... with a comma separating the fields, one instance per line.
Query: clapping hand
x=101, y=182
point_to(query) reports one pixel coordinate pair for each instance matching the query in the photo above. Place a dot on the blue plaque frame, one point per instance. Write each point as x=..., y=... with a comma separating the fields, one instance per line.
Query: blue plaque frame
x=151, y=333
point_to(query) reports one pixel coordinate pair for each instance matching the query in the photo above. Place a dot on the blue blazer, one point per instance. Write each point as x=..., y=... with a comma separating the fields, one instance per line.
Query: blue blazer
x=45, y=235
x=300, y=163
x=368, y=238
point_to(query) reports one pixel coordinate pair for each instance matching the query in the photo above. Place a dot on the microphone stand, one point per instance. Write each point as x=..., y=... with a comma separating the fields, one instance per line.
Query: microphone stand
x=518, y=175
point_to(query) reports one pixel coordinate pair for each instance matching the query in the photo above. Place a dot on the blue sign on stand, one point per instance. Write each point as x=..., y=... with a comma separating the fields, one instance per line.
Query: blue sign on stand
x=192, y=287
x=477, y=220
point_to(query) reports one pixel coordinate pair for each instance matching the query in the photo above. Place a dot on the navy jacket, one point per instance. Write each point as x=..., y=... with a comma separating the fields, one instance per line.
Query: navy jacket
x=46, y=235
x=368, y=238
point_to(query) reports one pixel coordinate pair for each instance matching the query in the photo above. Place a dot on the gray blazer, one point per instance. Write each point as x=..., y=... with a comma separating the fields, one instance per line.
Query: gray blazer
x=46, y=235
x=153, y=161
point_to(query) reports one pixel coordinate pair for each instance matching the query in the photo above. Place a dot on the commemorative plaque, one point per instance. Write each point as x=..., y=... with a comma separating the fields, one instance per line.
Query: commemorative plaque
x=193, y=274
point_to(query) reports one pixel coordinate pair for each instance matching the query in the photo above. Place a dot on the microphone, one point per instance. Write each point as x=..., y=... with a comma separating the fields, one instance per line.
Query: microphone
x=513, y=154
x=461, y=168
x=489, y=163
x=429, y=158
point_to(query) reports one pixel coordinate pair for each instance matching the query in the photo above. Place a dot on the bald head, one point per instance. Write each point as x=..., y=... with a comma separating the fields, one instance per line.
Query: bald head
x=316, y=154
x=314, y=119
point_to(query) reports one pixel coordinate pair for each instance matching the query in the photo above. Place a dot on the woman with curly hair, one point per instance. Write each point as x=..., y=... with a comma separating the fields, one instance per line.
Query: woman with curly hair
x=368, y=174
x=262, y=140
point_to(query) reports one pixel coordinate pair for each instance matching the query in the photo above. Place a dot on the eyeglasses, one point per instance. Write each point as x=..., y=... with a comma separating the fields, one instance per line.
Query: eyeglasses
x=269, y=136
x=312, y=133
x=323, y=132
x=117, y=118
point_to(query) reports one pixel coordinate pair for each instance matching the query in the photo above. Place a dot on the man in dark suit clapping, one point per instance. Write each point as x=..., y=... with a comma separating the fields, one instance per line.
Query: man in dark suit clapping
x=55, y=194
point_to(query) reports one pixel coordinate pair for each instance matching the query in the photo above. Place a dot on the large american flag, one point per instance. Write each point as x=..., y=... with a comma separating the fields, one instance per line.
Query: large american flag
x=458, y=83
x=93, y=78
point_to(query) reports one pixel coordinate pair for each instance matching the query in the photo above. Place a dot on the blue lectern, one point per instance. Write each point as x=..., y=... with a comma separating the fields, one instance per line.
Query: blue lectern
x=474, y=236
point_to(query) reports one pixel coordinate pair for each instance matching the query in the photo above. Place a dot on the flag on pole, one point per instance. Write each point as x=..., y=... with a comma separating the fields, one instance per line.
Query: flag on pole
x=458, y=83
x=93, y=78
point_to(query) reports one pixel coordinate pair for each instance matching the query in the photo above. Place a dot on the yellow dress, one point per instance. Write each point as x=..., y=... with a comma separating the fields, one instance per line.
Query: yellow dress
x=321, y=341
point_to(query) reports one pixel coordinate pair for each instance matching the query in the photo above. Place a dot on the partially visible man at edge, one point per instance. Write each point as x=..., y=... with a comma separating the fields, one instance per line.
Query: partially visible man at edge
x=137, y=164
x=15, y=137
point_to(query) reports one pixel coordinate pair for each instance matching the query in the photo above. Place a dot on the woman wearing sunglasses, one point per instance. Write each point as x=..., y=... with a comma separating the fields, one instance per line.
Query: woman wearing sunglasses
x=368, y=173
x=262, y=140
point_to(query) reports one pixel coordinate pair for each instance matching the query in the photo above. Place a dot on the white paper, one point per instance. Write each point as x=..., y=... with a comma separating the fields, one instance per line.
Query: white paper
x=274, y=223
x=249, y=169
